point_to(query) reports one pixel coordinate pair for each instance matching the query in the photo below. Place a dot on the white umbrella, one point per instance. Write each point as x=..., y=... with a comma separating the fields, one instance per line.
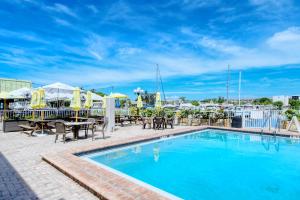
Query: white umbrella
x=22, y=93
x=95, y=97
x=58, y=97
x=58, y=91
x=61, y=87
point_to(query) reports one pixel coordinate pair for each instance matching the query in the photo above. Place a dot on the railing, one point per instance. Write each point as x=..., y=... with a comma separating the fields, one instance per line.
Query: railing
x=261, y=118
x=250, y=119
x=48, y=113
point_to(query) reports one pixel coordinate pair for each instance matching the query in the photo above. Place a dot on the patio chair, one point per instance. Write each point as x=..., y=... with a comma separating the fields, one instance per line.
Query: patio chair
x=158, y=123
x=91, y=126
x=146, y=121
x=61, y=130
x=169, y=121
x=103, y=128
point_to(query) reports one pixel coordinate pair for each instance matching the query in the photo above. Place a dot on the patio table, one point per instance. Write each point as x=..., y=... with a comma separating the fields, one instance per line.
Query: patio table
x=76, y=127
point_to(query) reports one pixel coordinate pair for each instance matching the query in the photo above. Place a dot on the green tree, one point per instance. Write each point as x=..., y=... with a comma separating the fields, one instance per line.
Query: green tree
x=221, y=100
x=100, y=94
x=182, y=99
x=295, y=104
x=263, y=101
x=195, y=103
x=278, y=104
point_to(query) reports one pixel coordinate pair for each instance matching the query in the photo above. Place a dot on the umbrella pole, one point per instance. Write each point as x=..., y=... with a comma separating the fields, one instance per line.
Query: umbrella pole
x=4, y=107
x=76, y=116
x=33, y=112
x=42, y=116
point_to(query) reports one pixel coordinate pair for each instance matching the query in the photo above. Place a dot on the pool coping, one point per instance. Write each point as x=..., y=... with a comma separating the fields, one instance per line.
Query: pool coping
x=106, y=184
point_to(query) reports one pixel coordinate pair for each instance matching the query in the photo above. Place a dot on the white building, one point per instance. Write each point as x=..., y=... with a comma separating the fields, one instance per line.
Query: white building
x=282, y=98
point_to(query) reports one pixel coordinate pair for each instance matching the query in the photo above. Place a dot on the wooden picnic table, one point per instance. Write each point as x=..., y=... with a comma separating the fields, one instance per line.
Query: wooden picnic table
x=76, y=127
x=40, y=124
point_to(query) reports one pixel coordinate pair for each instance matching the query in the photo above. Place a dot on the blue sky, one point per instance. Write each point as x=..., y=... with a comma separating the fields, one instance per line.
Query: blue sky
x=98, y=44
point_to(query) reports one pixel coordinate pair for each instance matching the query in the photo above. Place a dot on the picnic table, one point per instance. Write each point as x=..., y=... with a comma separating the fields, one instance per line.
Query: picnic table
x=37, y=125
x=76, y=127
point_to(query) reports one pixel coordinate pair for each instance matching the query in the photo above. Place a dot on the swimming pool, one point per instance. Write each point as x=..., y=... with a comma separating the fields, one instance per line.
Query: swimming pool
x=212, y=164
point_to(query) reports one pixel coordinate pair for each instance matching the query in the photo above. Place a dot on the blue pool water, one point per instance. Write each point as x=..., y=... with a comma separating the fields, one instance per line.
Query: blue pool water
x=213, y=164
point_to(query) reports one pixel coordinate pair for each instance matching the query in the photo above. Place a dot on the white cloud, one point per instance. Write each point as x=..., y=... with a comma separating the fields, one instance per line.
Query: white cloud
x=60, y=8
x=223, y=46
x=93, y=8
x=270, y=3
x=28, y=36
x=218, y=45
x=287, y=40
x=98, y=46
x=62, y=22
x=124, y=51
x=194, y=4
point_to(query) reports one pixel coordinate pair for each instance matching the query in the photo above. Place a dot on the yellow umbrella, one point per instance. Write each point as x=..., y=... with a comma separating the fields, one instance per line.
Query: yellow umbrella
x=4, y=95
x=157, y=100
x=139, y=102
x=89, y=101
x=118, y=95
x=41, y=98
x=76, y=102
x=41, y=104
x=41, y=101
x=104, y=102
x=34, y=101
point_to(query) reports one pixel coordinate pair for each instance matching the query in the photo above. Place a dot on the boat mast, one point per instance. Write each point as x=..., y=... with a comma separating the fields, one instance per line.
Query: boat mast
x=228, y=82
x=159, y=83
x=240, y=81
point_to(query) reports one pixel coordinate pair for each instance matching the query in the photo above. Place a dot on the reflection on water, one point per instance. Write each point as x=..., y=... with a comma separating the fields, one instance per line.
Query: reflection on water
x=137, y=149
x=267, y=141
x=270, y=141
x=115, y=155
x=156, y=153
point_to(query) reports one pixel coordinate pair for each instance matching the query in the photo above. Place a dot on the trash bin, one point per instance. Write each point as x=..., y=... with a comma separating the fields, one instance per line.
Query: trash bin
x=236, y=122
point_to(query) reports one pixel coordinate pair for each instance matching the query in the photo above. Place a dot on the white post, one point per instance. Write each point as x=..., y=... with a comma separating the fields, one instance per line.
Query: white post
x=243, y=119
x=110, y=113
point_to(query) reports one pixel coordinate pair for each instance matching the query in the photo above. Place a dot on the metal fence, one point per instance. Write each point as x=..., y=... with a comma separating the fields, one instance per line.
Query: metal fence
x=250, y=119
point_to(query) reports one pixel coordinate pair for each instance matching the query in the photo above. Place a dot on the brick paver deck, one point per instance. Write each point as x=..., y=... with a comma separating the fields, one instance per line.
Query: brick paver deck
x=24, y=175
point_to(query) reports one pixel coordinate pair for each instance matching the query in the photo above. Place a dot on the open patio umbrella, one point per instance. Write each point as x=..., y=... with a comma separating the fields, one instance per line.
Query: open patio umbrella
x=58, y=91
x=76, y=102
x=22, y=93
x=157, y=100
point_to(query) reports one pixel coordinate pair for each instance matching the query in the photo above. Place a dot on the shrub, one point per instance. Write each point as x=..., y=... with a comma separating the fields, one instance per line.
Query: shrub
x=290, y=113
